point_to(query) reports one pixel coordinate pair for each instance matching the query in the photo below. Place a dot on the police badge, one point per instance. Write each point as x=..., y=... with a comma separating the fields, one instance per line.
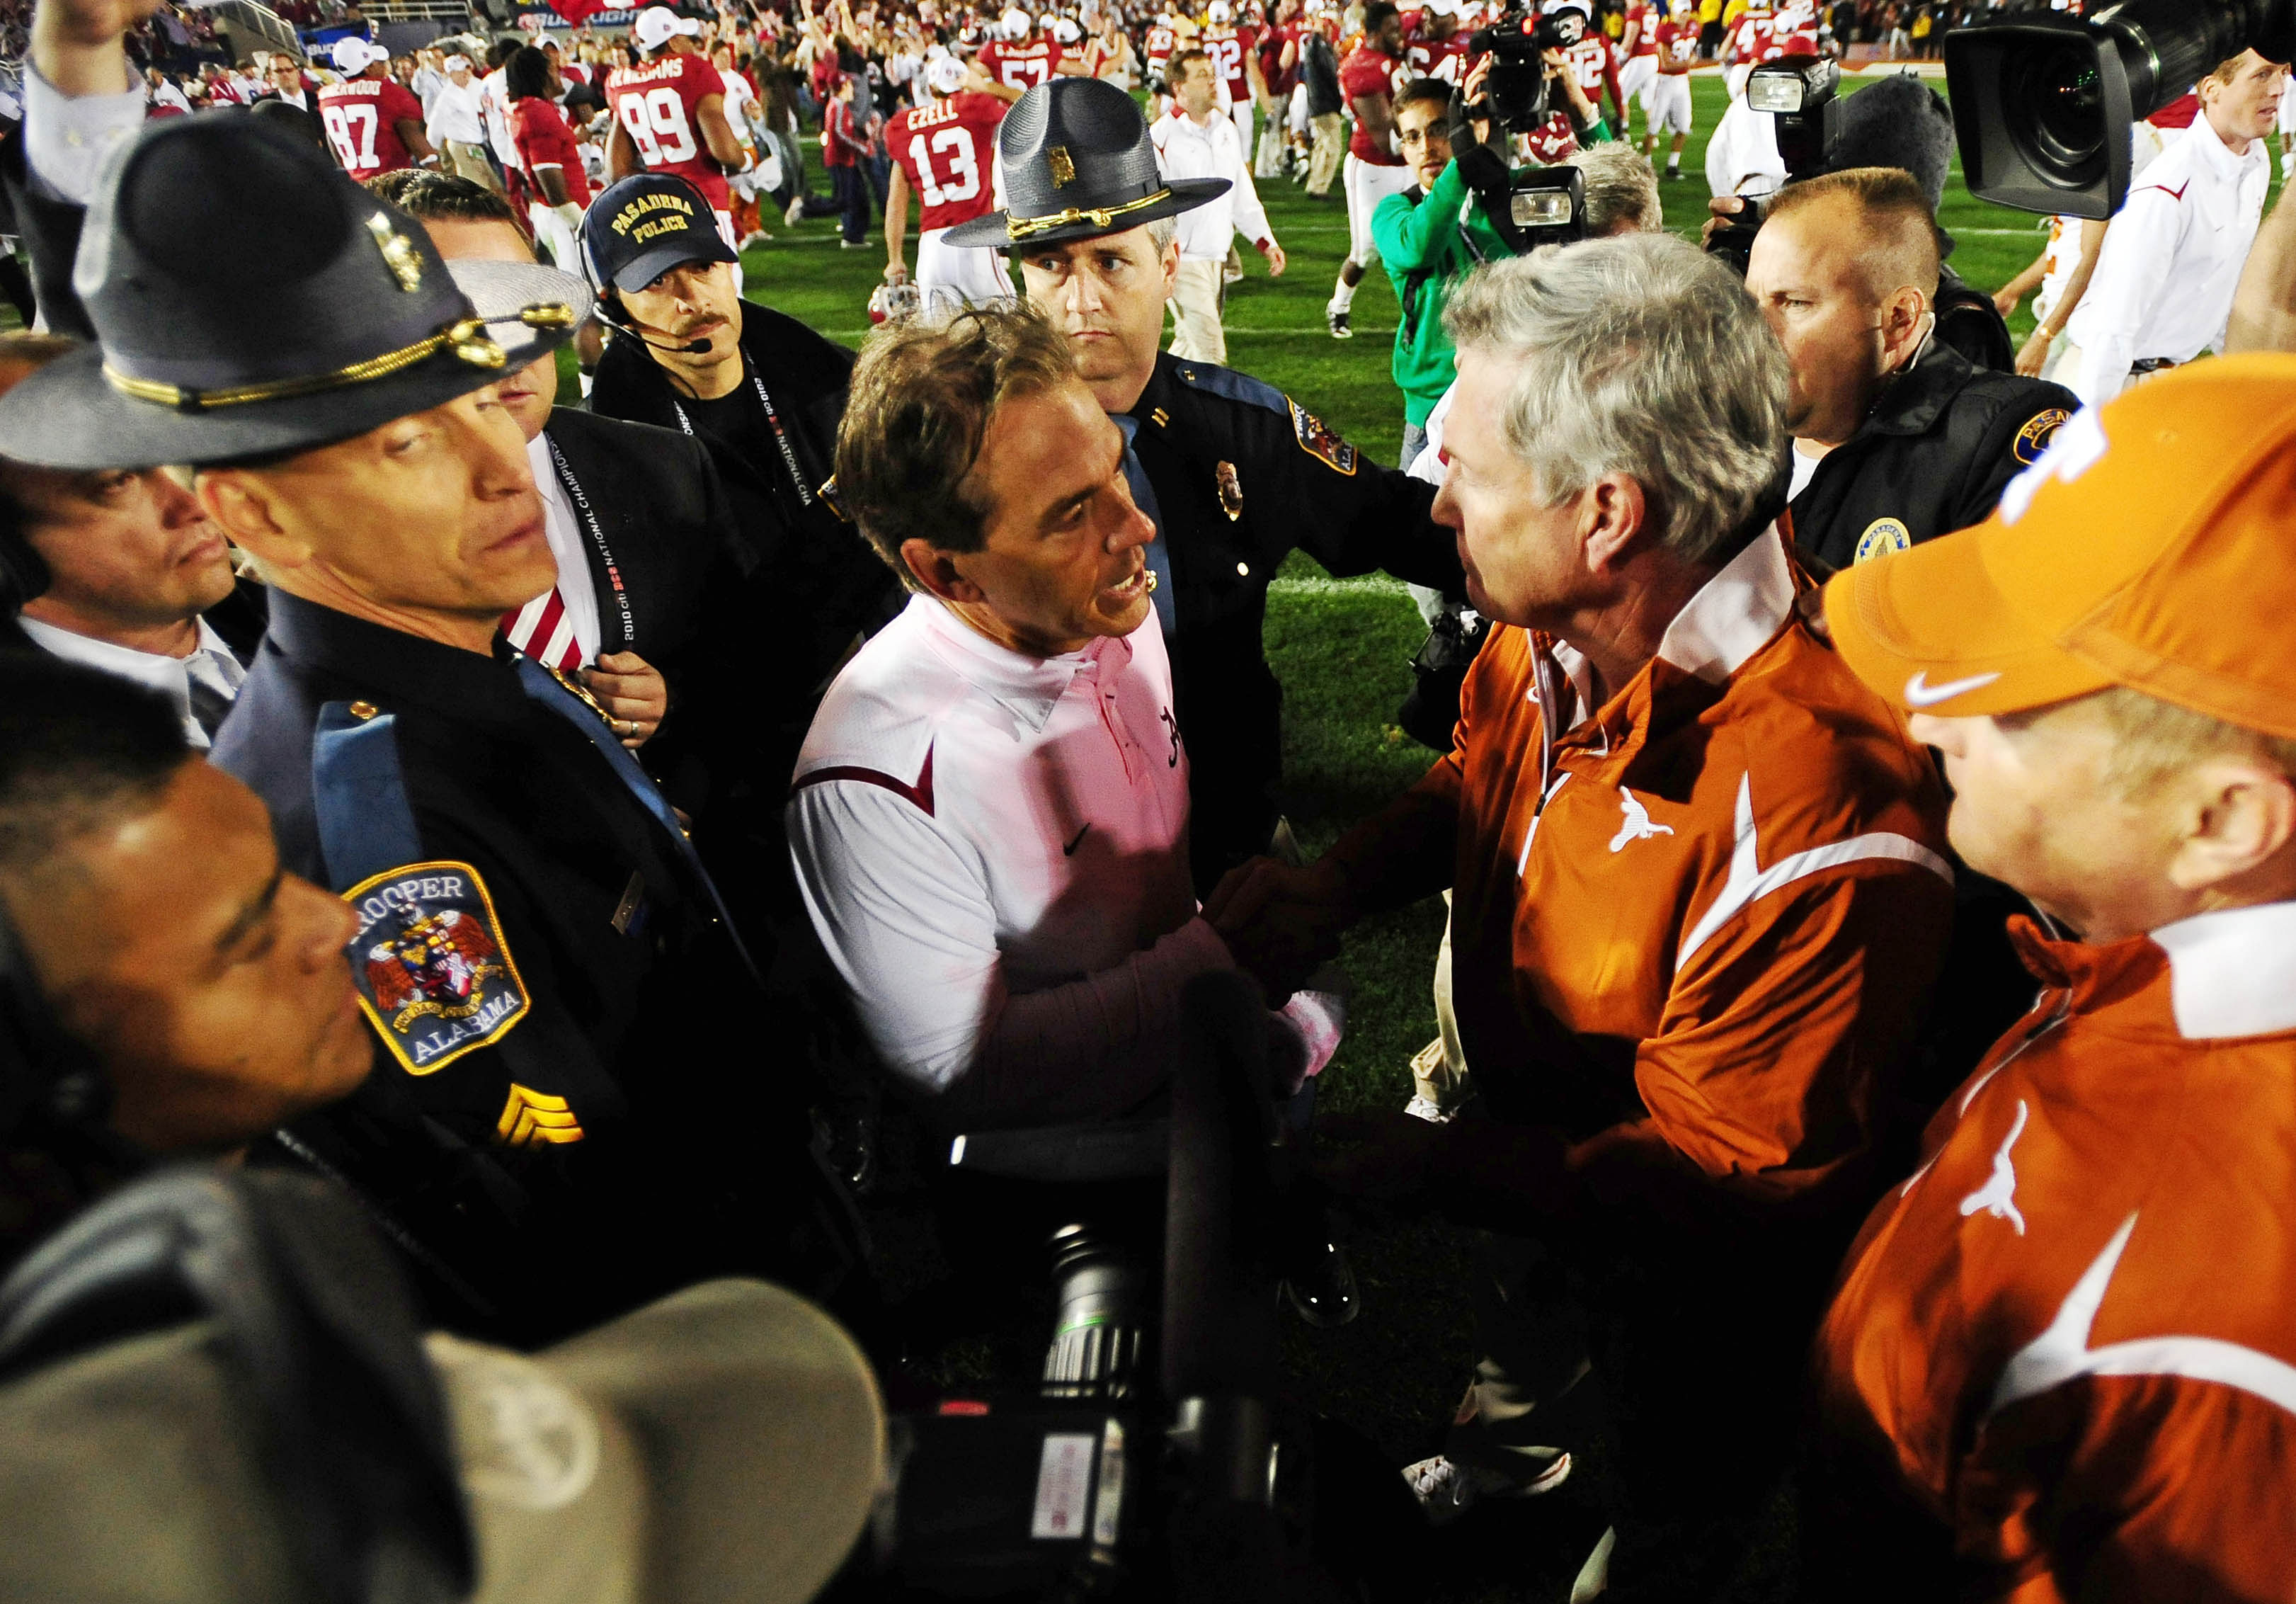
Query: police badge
x=433, y=970
x=1231, y=490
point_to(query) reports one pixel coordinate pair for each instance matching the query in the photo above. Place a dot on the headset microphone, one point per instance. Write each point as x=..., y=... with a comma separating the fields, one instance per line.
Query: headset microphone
x=611, y=308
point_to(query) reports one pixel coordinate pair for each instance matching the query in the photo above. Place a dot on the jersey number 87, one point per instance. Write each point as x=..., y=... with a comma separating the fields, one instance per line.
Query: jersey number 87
x=354, y=150
x=657, y=125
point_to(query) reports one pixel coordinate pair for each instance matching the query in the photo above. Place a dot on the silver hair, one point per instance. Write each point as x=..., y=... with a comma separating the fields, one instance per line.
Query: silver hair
x=1638, y=355
x=1622, y=190
x=1163, y=232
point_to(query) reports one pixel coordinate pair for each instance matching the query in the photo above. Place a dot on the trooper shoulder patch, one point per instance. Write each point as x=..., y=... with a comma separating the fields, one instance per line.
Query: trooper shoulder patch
x=1318, y=442
x=433, y=972
x=2034, y=438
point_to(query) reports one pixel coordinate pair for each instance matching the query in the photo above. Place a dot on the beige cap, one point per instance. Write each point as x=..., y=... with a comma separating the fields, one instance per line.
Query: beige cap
x=722, y=1446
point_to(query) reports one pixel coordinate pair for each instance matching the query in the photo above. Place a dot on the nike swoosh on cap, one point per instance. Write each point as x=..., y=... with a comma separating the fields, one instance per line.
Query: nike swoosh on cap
x=1921, y=693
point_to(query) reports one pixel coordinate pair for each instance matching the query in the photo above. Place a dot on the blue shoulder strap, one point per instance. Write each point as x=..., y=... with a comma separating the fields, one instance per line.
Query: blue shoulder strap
x=1231, y=385
x=367, y=825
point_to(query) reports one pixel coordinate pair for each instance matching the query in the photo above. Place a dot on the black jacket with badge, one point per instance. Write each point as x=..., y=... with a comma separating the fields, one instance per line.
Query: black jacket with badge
x=1242, y=475
x=809, y=583
x=572, y=1108
x=1931, y=457
x=818, y=583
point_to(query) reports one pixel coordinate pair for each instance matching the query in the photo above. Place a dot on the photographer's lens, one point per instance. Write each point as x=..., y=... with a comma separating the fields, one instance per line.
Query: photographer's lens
x=2056, y=98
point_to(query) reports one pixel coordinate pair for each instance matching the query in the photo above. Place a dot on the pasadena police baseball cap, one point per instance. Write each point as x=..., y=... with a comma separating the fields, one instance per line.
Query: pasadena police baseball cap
x=2151, y=546
x=642, y=228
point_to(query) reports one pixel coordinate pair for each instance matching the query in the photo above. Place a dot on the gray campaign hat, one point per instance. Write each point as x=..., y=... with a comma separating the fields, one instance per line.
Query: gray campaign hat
x=722, y=1446
x=213, y=1387
x=249, y=299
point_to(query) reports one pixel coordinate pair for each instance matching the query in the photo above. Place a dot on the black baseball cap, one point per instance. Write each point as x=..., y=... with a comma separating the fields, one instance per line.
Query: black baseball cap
x=642, y=228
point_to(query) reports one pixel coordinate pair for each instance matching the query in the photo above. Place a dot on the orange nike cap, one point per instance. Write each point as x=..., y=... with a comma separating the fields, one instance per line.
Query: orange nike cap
x=2153, y=545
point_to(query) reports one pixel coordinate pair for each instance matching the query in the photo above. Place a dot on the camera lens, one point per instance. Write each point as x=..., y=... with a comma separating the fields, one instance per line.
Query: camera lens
x=2057, y=97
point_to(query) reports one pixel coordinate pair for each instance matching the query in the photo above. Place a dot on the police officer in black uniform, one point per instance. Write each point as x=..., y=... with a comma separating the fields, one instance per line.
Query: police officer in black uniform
x=1899, y=437
x=575, y=1107
x=762, y=394
x=1233, y=472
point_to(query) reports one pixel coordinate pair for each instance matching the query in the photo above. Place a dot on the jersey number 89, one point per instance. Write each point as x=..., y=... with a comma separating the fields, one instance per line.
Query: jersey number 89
x=354, y=149
x=657, y=126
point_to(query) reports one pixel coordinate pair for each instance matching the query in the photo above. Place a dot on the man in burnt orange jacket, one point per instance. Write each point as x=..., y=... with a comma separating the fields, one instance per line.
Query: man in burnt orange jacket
x=2061, y=1361
x=1699, y=895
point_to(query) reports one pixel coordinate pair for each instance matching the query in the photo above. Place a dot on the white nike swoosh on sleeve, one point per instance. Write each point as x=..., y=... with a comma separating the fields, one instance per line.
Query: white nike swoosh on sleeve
x=1921, y=693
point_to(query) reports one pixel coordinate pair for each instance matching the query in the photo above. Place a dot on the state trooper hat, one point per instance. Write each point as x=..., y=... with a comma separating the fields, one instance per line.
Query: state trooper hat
x=1078, y=162
x=249, y=299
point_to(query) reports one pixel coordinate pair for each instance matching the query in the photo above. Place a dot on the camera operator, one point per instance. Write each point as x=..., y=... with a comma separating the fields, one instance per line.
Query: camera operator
x=1430, y=236
x=1896, y=439
x=172, y=991
x=1699, y=897
x=2163, y=285
x=123, y=572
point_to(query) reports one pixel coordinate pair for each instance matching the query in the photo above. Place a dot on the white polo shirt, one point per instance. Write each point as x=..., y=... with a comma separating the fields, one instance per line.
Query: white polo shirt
x=2164, y=281
x=994, y=850
x=1213, y=151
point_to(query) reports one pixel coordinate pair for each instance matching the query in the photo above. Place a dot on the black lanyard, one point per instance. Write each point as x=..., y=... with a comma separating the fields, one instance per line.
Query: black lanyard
x=781, y=436
x=597, y=539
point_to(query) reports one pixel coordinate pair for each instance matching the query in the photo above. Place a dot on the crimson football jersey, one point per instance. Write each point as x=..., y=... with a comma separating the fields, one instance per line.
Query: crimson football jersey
x=1752, y=39
x=1227, y=48
x=1645, y=22
x=1021, y=66
x=1445, y=58
x=947, y=150
x=362, y=116
x=1160, y=42
x=658, y=105
x=1677, y=46
x=1368, y=71
x=1595, y=62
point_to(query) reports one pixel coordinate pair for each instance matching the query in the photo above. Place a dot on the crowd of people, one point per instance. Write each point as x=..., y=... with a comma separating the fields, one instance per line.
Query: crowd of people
x=537, y=822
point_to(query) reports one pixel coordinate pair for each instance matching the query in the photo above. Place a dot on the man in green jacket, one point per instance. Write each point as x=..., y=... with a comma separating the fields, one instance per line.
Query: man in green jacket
x=1430, y=236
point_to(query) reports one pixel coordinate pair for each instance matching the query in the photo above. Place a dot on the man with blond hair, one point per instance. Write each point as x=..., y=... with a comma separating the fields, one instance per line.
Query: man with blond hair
x=2059, y=1362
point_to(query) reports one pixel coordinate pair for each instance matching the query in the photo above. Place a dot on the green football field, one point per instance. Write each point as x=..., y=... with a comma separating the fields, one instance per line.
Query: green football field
x=1342, y=647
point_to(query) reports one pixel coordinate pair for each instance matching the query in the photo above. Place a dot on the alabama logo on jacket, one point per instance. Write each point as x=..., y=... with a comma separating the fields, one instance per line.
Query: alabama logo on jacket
x=433, y=969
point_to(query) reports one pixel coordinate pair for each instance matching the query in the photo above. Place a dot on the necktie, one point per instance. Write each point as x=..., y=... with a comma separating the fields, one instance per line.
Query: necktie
x=1144, y=495
x=543, y=629
x=557, y=694
x=211, y=698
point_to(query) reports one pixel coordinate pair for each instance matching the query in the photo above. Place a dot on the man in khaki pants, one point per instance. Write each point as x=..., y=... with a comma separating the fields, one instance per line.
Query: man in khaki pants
x=1195, y=141
x=1319, y=73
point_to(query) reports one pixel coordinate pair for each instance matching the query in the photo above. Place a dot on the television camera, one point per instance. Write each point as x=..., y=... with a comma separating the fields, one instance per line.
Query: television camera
x=2042, y=102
